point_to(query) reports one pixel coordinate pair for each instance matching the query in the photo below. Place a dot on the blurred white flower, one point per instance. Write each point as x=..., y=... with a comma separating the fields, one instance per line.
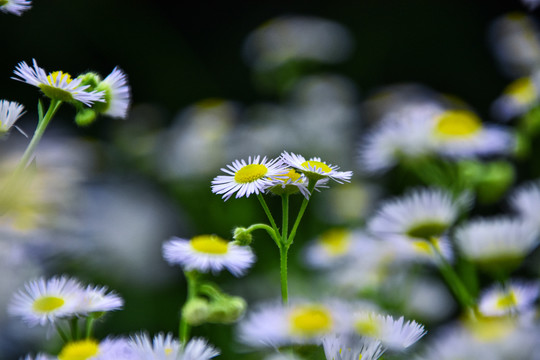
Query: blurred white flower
x=511, y=298
x=16, y=7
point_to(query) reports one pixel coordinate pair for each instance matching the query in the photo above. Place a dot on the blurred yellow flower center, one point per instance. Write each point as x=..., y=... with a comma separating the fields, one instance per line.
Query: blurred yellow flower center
x=316, y=164
x=310, y=320
x=79, y=350
x=250, y=173
x=168, y=351
x=491, y=328
x=59, y=76
x=291, y=175
x=458, y=123
x=47, y=304
x=423, y=247
x=335, y=241
x=210, y=244
x=522, y=90
x=507, y=301
x=367, y=327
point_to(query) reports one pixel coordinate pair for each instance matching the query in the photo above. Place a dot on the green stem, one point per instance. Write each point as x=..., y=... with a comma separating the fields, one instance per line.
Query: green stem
x=285, y=213
x=303, y=207
x=269, y=230
x=89, y=326
x=268, y=214
x=184, y=328
x=62, y=333
x=283, y=272
x=74, y=325
x=40, y=130
x=454, y=282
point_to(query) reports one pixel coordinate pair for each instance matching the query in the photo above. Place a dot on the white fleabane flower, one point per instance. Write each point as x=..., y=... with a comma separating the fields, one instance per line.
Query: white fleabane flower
x=335, y=246
x=96, y=299
x=347, y=347
x=394, y=334
x=315, y=169
x=274, y=325
x=89, y=349
x=116, y=93
x=57, y=85
x=419, y=214
x=513, y=298
x=246, y=178
x=460, y=133
x=45, y=301
x=496, y=241
x=525, y=200
x=15, y=7
x=165, y=347
x=208, y=253
x=10, y=112
x=518, y=97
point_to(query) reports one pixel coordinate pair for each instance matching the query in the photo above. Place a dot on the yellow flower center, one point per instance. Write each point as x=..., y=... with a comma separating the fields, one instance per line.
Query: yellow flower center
x=209, y=244
x=522, y=90
x=316, y=164
x=491, y=328
x=426, y=230
x=168, y=351
x=335, y=241
x=47, y=304
x=291, y=175
x=507, y=301
x=423, y=247
x=310, y=320
x=59, y=76
x=79, y=350
x=458, y=124
x=250, y=173
x=367, y=327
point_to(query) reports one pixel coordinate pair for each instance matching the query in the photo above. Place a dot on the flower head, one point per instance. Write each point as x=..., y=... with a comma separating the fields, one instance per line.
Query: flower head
x=15, y=6
x=10, y=111
x=96, y=299
x=246, y=178
x=57, y=85
x=513, y=298
x=293, y=182
x=116, y=93
x=90, y=349
x=347, y=347
x=45, y=301
x=165, y=347
x=315, y=169
x=208, y=253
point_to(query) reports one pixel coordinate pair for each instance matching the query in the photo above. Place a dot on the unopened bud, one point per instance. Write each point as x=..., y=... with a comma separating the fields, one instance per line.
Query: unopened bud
x=196, y=311
x=242, y=236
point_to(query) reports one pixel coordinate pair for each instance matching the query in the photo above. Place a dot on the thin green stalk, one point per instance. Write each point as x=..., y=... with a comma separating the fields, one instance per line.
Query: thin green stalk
x=62, y=333
x=184, y=327
x=268, y=214
x=74, y=325
x=40, y=130
x=285, y=220
x=269, y=230
x=88, y=327
x=283, y=272
x=454, y=282
x=303, y=207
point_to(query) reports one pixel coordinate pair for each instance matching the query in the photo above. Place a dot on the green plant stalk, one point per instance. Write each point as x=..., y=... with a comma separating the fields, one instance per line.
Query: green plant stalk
x=40, y=130
x=269, y=230
x=268, y=213
x=283, y=272
x=184, y=327
x=303, y=207
x=88, y=327
x=74, y=325
x=62, y=334
x=454, y=282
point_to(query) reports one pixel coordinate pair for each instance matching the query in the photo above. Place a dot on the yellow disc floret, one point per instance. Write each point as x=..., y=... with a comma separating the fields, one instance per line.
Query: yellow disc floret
x=52, y=89
x=458, y=124
x=250, y=173
x=47, y=304
x=335, y=241
x=209, y=244
x=316, y=164
x=522, y=90
x=367, y=326
x=310, y=320
x=507, y=301
x=79, y=350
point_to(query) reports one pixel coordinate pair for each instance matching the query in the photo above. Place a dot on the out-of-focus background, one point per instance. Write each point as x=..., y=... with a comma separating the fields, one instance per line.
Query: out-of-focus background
x=211, y=82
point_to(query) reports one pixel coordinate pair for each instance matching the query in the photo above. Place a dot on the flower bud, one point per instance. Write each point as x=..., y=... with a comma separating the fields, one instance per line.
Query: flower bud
x=242, y=236
x=196, y=311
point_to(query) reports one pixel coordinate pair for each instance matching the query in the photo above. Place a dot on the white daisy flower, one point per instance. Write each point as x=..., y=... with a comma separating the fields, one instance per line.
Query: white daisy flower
x=347, y=347
x=498, y=241
x=274, y=325
x=165, y=347
x=116, y=93
x=420, y=250
x=45, y=301
x=420, y=214
x=90, y=349
x=394, y=140
x=334, y=246
x=394, y=334
x=293, y=182
x=96, y=299
x=515, y=297
x=517, y=98
x=246, y=178
x=57, y=85
x=525, y=200
x=460, y=133
x=315, y=168
x=15, y=6
x=10, y=112
x=208, y=253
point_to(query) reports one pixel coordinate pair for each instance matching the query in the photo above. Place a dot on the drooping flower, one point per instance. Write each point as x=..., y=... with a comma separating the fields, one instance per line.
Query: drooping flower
x=10, y=112
x=116, y=93
x=16, y=7
x=57, y=85
x=208, y=253
x=246, y=178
